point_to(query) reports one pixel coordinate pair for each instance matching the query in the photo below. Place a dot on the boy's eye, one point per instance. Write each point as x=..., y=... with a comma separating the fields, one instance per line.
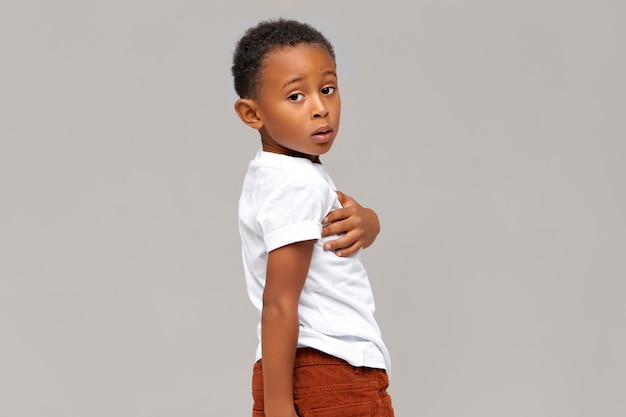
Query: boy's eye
x=328, y=90
x=296, y=97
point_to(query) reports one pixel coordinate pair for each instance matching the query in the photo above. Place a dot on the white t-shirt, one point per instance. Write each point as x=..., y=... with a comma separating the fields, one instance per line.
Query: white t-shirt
x=283, y=201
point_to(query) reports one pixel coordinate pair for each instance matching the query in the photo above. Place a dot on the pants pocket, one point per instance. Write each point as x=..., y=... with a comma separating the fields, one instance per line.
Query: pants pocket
x=349, y=410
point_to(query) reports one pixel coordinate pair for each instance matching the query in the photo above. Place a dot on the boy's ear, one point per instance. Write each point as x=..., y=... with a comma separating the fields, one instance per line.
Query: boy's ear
x=249, y=113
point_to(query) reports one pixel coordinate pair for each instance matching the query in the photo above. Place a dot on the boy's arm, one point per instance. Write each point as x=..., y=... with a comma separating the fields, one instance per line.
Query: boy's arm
x=360, y=225
x=287, y=269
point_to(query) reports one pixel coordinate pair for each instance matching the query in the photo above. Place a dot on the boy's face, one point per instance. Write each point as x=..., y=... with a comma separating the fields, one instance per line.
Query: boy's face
x=298, y=101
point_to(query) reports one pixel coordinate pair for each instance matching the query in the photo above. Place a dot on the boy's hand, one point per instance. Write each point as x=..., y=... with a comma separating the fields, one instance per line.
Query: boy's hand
x=360, y=226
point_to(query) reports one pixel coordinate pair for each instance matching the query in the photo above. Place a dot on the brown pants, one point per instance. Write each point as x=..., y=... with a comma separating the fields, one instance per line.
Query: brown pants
x=325, y=386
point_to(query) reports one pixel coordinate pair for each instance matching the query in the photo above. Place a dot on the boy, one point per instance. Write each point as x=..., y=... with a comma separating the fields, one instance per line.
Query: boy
x=320, y=350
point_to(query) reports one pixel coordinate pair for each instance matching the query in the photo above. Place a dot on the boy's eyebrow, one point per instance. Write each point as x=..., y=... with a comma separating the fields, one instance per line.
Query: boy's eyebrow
x=302, y=77
x=293, y=81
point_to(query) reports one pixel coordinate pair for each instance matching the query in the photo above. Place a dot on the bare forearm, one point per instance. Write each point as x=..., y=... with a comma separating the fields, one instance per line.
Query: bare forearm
x=279, y=340
x=287, y=269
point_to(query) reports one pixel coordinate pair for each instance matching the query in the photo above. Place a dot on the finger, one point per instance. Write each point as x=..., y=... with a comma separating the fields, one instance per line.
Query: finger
x=343, y=242
x=345, y=199
x=336, y=215
x=341, y=196
x=339, y=227
x=349, y=250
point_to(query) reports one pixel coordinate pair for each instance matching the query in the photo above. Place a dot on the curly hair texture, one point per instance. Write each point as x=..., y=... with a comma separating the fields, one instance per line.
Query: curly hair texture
x=259, y=40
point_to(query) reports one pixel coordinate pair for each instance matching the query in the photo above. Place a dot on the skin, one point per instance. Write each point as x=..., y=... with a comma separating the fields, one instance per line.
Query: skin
x=298, y=107
x=359, y=226
x=297, y=113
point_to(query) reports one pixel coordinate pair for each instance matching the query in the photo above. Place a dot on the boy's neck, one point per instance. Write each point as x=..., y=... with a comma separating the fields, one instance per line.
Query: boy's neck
x=313, y=158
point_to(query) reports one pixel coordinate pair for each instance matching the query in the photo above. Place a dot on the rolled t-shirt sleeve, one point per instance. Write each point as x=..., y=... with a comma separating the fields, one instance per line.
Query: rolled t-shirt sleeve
x=292, y=213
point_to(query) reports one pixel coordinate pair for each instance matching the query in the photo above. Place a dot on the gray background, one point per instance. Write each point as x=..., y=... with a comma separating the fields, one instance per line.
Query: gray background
x=488, y=135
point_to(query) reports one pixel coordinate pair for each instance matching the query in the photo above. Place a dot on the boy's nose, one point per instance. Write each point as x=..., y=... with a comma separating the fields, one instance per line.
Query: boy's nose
x=320, y=109
x=318, y=115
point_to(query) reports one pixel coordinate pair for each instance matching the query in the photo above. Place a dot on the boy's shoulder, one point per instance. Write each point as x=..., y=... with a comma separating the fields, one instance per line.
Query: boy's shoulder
x=272, y=174
x=286, y=168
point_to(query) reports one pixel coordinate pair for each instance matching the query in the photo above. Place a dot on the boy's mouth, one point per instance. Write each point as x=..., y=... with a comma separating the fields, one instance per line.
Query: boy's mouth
x=323, y=134
x=323, y=131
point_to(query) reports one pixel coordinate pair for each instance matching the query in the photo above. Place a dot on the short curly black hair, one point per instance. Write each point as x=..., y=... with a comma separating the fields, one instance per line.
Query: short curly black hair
x=259, y=40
